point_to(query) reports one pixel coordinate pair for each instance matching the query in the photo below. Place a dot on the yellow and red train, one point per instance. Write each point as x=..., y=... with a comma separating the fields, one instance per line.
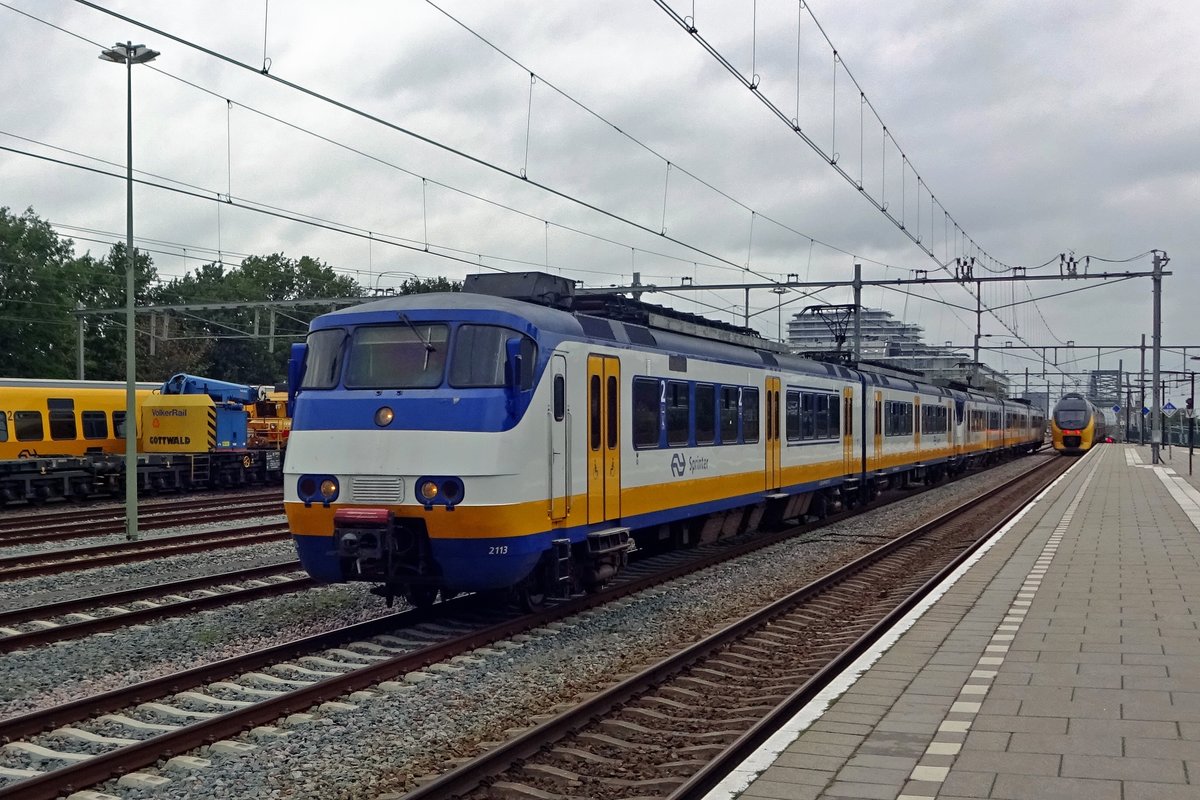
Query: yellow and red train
x=1077, y=425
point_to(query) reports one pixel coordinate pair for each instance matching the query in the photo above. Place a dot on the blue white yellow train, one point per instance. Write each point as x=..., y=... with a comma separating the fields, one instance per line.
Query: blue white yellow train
x=515, y=437
x=1077, y=425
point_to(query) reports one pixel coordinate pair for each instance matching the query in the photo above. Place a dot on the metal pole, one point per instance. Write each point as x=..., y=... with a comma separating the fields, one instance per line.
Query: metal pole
x=858, y=313
x=746, y=320
x=79, y=345
x=1142, y=396
x=1156, y=409
x=1192, y=420
x=128, y=55
x=978, y=330
x=1120, y=381
x=1128, y=403
x=779, y=315
x=131, y=420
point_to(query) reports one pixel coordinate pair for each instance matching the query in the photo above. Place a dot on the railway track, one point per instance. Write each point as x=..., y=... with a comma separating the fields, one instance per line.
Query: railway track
x=229, y=704
x=101, y=555
x=71, y=619
x=677, y=728
x=55, y=532
x=44, y=515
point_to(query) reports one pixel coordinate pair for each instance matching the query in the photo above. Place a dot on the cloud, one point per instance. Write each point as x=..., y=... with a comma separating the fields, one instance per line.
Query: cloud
x=1040, y=127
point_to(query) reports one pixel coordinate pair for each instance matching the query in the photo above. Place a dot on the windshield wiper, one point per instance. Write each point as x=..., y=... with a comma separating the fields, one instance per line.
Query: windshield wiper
x=428, y=346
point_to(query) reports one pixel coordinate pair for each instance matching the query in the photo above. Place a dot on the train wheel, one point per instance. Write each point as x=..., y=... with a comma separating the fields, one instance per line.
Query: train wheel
x=530, y=597
x=421, y=596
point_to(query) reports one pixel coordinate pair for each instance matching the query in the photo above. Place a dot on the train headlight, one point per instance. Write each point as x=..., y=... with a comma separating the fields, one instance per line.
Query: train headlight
x=384, y=416
x=429, y=491
x=329, y=488
x=307, y=487
x=452, y=490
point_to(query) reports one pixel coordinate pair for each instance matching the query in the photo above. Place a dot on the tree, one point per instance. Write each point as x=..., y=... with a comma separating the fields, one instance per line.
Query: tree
x=101, y=284
x=42, y=282
x=235, y=352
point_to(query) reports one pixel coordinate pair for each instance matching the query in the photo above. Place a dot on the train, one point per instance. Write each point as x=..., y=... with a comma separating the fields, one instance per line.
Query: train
x=1077, y=425
x=66, y=439
x=516, y=437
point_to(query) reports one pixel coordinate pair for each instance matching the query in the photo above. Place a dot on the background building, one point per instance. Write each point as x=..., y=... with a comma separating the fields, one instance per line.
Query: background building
x=887, y=340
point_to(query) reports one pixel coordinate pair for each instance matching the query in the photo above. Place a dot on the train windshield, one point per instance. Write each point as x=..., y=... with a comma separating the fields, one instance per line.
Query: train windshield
x=323, y=362
x=480, y=356
x=406, y=356
x=1071, y=414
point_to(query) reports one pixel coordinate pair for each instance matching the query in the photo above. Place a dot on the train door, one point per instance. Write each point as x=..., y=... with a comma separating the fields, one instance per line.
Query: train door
x=848, y=466
x=958, y=426
x=878, y=439
x=560, y=456
x=773, y=470
x=604, y=439
x=917, y=424
x=951, y=427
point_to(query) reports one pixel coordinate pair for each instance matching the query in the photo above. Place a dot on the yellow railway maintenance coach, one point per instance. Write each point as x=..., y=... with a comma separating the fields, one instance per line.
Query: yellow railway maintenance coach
x=41, y=418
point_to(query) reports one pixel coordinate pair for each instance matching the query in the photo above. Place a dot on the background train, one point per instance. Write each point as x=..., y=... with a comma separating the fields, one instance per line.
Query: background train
x=67, y=438
x=1076, y=425
x=514, y=436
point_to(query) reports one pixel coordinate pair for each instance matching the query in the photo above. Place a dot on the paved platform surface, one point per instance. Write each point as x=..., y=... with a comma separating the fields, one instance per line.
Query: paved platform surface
x=1063, y=663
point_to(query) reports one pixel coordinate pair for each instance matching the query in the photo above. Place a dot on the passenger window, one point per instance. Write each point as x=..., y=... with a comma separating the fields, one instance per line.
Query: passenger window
x=807, y=416
x=792, y=417
x=821, y=403
x=95, y=425
x=646, y=422
x=594, y=412
x=560, y=400
x=835, y=416
x=677, y=413
x=28, y=426
x=118, y=424
x=3, y=427
x=729, y=414
x=62, y=418
x=750, y=415
x=706, y=413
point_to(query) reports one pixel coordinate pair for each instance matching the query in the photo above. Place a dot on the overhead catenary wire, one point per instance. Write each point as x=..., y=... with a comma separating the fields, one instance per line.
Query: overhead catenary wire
x=455, y=151
x=460, y=153
x=978, y=257
x=668, y=256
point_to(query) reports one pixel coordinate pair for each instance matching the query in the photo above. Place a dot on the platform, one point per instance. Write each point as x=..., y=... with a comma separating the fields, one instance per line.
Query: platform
x=1062, y=662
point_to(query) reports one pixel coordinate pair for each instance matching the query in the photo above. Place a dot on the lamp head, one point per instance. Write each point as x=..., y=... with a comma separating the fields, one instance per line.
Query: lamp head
x=129, y=53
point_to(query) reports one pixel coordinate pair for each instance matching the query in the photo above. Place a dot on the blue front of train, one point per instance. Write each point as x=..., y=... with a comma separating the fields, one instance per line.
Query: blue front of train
x=408, y=463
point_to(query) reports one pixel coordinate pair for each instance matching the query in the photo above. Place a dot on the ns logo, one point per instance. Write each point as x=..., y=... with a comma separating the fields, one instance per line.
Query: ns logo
x=678, y=465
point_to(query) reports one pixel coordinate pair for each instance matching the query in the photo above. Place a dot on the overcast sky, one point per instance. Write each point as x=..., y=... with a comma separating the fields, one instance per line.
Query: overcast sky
x=1040, y=128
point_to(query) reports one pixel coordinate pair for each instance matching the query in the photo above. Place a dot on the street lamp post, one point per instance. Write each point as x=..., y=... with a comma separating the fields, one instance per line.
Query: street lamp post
x=779, y=293
x=130, y=54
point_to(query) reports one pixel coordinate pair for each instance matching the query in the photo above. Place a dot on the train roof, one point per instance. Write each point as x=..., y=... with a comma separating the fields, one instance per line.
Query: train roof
x=65, y=384
x=624, y=321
